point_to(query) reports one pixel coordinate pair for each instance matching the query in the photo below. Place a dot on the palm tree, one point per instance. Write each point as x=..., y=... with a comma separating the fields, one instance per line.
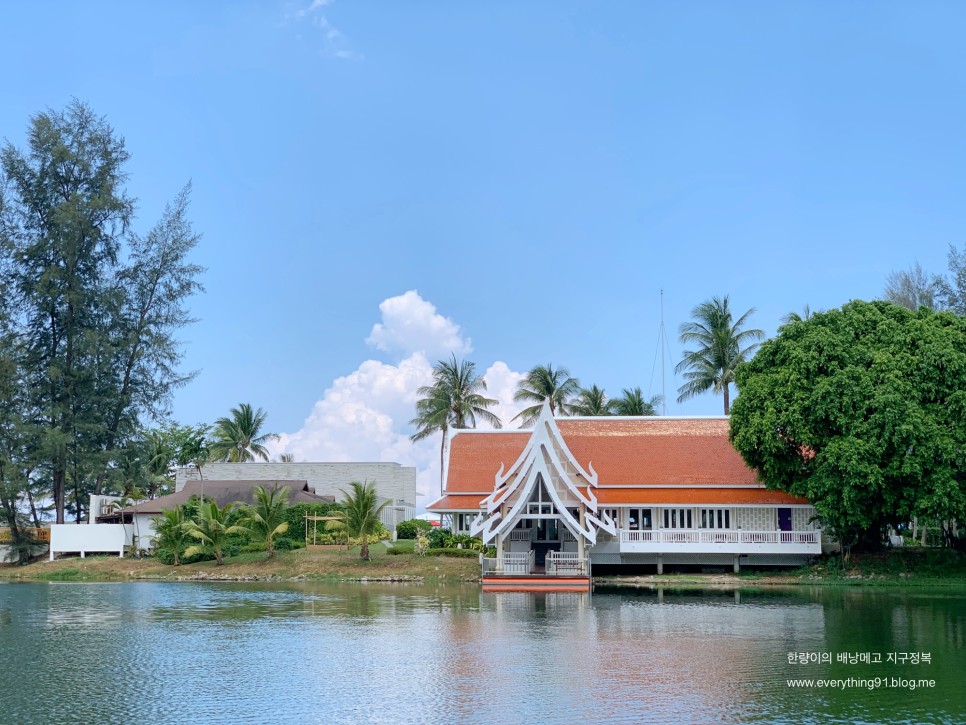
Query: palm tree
x=171, y=532
x=454, y=400
x=592, y=401
x=212, y=528
x=791, y=317
x=632, y=403
x=265, y=518
x=132, y=497
x=239, y=438
x=432, y=415
x=721, y=347
x=362, y=513
x=543, y=383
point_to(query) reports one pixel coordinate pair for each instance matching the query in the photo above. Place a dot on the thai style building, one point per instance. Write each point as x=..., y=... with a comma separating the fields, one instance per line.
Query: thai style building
x=616, y=491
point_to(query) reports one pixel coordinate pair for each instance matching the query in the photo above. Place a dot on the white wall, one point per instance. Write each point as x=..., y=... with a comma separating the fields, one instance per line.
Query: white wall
x=78, y=538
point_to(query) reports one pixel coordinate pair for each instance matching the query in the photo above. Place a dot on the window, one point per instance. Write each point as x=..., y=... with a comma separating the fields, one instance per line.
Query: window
x=639, y=519
x=463, y=522
x=715, y=518
x=677, y=519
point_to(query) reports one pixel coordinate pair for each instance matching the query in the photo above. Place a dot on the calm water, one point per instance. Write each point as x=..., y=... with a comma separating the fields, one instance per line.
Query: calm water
x=231, y=653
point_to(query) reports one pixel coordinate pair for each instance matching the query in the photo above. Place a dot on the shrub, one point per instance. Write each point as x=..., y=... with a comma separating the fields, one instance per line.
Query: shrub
x=437, y=537
x=396, y=551
x=422, y=543
x=295, y=516
x=453, y=541
x=409, y=529
x=455, y=553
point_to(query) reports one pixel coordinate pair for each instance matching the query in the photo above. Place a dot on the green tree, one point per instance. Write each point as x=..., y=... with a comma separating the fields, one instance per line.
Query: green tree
x=952, y=289
x=805, y=314
x=454, y=400
x=171, y=532
x=98, y=305
x=543, y=383
x=266, y=517
x=240, y=438
x=592, y=401
x=913, y=288
x=720, y=347
x=362, y=510
x=862, y=411
x=632, y=402
x=212, y=528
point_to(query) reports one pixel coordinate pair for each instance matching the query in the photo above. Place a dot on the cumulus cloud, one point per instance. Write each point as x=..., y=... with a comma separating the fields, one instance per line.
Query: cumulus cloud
x=411, y=324
x=364, y=415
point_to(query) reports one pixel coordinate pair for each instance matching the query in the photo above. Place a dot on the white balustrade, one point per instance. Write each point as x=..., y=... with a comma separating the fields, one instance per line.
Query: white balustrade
x=731, y=540
x=566, y=563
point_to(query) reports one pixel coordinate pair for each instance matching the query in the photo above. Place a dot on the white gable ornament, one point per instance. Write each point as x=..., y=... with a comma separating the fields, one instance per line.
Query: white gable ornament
x=545, y=458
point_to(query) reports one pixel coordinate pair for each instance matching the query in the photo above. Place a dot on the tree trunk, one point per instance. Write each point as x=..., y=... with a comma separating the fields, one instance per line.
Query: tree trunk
x=727, y=399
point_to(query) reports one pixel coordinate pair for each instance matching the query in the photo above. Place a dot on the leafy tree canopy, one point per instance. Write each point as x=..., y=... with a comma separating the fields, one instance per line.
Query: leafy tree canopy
x=862, y=411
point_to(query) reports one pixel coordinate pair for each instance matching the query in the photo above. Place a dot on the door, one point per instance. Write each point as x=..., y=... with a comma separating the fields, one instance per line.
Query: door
x=785, y=519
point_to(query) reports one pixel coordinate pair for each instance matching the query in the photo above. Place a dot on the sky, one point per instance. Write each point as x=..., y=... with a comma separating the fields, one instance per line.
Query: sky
x=382, y=184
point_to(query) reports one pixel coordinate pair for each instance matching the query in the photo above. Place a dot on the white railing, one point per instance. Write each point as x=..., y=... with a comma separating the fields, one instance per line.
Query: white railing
x=513, y=562
x=688, y=536
x=523, y=535
x=562, y=563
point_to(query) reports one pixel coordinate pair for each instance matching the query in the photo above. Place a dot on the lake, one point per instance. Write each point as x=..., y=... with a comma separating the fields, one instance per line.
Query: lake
x=316, y=653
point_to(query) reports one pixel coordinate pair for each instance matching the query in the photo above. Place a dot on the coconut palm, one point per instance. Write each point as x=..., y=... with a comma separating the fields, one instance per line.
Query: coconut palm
x=632, y=403
x=432, y=416
x=592, y=401
x=212, y=528
x=265, y=518
x=721, y=346
x=132, y=497
x=240, y=438
x=362, y=509
x=791, y=317
x=170, y=532
x=454, y=400
x=543, y=383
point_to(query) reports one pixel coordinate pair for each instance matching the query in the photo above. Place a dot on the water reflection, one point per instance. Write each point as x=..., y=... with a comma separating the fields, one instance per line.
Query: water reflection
x=214, y=652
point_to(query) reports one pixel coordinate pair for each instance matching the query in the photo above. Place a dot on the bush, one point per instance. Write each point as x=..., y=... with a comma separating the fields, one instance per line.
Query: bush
x=437, y=537
x=453, y=541
x=396, y=551
x=455, y=553
x=409, y=529
x=295, y=516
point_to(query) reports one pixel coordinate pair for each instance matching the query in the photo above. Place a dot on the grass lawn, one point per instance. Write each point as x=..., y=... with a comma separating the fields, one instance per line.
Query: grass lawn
x=298, y=564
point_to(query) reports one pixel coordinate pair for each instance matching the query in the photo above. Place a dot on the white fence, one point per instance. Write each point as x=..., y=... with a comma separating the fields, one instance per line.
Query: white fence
x=728, y=541
x=513, y=562
x=83, y=540
x=567, y=563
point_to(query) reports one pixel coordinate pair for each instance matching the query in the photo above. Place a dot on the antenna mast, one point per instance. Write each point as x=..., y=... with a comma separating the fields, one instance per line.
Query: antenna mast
x=663, y=335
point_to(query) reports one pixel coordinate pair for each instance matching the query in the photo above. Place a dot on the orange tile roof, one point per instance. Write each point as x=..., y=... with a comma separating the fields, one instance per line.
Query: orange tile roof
x=696, y=496
x=457, y=503
x=623, y=451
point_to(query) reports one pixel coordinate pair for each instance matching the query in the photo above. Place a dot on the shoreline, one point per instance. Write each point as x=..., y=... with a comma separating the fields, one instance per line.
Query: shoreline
x=346, y=567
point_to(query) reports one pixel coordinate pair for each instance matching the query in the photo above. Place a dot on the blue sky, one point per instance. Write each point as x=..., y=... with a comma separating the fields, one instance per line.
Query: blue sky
x=536, y=171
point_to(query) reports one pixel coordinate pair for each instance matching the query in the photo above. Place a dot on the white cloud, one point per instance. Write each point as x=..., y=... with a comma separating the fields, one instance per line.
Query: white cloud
x=411, y=324
x=332, y=41
x=364, y=416
x=501, y=384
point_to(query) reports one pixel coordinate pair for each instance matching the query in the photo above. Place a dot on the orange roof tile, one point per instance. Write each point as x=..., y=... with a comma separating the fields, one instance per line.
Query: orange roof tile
x=696, y=496
x=623, y=451
x=469, y=502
